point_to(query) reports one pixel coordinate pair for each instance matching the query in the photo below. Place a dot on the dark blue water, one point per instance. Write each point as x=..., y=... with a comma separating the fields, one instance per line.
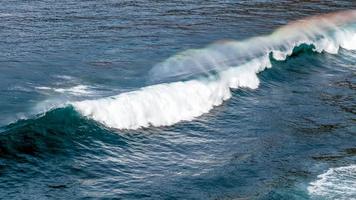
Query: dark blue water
x=266, y=143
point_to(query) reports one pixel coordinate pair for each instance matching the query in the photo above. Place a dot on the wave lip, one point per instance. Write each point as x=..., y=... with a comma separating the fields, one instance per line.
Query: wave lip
x=336, y=183
x=168, y=103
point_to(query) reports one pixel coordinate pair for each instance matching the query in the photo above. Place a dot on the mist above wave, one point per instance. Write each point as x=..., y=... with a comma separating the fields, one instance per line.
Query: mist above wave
x=326, y=32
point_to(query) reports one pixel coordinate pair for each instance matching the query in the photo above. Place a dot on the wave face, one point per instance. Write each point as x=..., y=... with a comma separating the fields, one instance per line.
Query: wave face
x=53, y=132
x=336, y=183
x=225, y=66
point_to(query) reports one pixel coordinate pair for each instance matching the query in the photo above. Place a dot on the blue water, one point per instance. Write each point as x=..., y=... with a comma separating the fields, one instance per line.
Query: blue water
x=266, y=143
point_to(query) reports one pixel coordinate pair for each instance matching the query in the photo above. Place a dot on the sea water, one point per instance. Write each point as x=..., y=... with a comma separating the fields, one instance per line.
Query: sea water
x=177, y=100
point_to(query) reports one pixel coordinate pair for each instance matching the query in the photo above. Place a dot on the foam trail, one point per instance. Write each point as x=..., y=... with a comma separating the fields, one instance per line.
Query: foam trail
x=336, y=183
x=168, y=103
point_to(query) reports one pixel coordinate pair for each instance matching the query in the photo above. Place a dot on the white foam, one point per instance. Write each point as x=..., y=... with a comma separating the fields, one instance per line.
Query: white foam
x=77, y=90
x=6, y=15
x=43, y=88
x=169, y=103
x=336, y=183
x=65, y=77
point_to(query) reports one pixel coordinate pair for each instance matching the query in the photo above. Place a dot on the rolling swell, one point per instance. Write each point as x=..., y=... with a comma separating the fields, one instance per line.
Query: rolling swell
x=221, y=67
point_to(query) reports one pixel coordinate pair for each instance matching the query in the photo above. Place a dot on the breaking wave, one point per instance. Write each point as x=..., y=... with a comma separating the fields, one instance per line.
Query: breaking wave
x=217, y=69
x=234, y=65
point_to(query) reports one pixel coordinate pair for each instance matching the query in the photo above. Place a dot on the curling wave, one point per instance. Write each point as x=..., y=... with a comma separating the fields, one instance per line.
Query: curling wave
x=234, y=65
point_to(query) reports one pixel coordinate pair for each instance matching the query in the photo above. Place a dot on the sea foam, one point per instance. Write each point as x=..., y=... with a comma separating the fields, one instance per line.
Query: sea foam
x=235, y=65
x=336, y=183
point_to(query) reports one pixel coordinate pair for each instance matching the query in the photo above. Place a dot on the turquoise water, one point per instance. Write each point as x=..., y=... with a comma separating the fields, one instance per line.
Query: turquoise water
x=98, y=101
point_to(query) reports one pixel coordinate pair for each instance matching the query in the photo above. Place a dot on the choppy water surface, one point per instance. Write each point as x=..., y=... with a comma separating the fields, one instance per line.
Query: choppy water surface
x=177, y=100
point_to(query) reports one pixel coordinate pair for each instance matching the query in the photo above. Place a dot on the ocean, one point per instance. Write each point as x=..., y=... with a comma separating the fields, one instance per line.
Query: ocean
x=220, y=99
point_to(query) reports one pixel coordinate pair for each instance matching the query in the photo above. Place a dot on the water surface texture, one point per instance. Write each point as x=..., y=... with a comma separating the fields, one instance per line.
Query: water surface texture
x=177, y=99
